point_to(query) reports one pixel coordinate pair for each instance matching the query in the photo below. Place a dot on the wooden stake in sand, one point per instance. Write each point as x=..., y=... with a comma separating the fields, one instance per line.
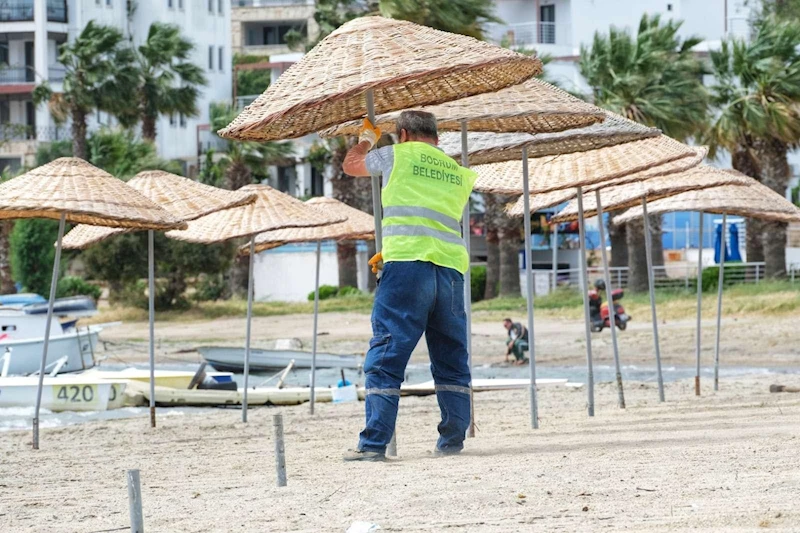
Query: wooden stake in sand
x=135, y=501
x=391, y=449
x=280, y=449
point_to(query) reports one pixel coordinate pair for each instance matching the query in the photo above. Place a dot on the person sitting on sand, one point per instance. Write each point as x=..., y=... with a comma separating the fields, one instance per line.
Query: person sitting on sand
x=517, y=342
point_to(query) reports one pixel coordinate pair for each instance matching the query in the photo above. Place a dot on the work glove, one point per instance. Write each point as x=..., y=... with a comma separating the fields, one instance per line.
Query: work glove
x=369, y=133
x=376, y=262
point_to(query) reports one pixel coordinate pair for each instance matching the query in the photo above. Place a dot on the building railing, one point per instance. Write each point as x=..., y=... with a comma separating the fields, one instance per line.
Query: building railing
x=530, y=34
x=244, y=101
x=22, y=10
x=669, y=276
x=24, y=132
x=271, y=3
x=14, y=75
x=56, y=72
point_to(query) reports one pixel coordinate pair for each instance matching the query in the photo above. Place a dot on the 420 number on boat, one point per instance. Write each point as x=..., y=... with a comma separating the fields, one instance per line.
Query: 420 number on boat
x=76, y=393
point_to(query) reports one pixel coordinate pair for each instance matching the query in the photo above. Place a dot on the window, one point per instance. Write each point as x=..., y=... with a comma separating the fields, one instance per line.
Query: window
x=219, y=7
x=108, y=3
x=547, y=25
x=272, y=34
x=169, y=4
x=172, y=120
x=210, y=58
x=221, y=61
x=3, y=53
x=180, y=4
x=182, y=120
x=317, y=182
x=210, y=6
x=287, y=177
x=5, y=112
x=669, y=7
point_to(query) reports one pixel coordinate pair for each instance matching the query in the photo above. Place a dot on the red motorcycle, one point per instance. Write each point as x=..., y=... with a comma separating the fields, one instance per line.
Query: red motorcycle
x=598, y=310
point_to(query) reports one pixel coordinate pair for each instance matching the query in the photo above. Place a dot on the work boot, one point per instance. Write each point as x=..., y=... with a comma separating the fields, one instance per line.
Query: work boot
x=364, y=455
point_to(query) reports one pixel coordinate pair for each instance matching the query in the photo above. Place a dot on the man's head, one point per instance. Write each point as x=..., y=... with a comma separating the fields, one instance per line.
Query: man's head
x=417, y=126
x=507, y=323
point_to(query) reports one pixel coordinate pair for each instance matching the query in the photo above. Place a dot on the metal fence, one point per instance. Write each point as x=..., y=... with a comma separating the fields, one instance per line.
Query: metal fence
x=271, y=3
x=670, y=276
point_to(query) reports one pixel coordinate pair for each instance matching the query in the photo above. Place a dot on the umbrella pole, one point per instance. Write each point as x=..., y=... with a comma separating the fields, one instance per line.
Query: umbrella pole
x=555, y=257
x=722, y=247
x=612, y=315
x=468, y=281
x=249, y=320
x=648, y=242
x=526, y=202
x=699, y=306
x=376, y=182
x=314, y=337
x=53, y=286
x=151, y=289
x=586, y=317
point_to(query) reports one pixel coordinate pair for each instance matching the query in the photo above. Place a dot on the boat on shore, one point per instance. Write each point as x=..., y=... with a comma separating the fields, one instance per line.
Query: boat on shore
x=231, y=359
x=63, y=393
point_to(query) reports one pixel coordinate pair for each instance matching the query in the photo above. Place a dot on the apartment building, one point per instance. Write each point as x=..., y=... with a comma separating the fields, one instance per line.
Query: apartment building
x=259, y=27
x=32, y=30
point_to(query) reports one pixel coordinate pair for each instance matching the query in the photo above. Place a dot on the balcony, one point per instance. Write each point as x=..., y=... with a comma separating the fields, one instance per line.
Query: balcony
x=548, y=38
x=56, y=72
x=271, y=3
x=22, y=10
x=17, y=75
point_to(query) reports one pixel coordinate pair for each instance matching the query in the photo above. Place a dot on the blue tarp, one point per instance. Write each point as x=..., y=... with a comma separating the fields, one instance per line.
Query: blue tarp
x=732, y=252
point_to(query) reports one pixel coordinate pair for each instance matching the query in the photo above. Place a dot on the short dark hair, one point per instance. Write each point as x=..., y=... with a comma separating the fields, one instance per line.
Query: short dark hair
x=418, y=124
x=508, y=320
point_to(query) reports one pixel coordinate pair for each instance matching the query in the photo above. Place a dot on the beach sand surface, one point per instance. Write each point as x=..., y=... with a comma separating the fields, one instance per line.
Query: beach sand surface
x=726, y=461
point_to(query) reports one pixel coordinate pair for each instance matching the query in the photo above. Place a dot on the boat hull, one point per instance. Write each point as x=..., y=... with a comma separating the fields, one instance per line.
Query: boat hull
x=232, y=359
x=26, y=354
x=62, y=394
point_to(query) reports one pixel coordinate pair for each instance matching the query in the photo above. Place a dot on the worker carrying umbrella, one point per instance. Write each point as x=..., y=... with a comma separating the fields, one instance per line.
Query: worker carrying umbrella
x=421, y=289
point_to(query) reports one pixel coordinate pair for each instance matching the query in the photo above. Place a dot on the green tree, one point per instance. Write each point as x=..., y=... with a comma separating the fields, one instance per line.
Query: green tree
x=97, y=76
x=249, y=82
x=653, y=78
x=33, y=253
x=756, y=96
x=466, y=17
x=122, y=155
x=166, y=81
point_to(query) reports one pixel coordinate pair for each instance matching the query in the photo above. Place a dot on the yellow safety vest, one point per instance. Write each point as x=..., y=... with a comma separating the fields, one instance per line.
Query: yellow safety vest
x=422, y=207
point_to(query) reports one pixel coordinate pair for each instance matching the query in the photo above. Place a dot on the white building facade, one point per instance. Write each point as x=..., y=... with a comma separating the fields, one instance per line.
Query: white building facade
x=32, y=30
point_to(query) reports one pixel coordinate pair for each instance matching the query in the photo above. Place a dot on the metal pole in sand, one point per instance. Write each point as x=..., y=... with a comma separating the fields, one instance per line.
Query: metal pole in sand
x=468, y=281
x=699, y=307
x=314, y=337
x=526, y=203
x=249, y=320
x=587, y=319
x=648, y=243
x=612, y=315
x=151, y=289
x=53, y=285
x=555, y=257
x=722, y=249
x=135, y=501
x=280, y=449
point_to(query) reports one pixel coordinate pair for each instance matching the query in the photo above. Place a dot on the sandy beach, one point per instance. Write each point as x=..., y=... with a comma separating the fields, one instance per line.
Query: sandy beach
x=724, y=461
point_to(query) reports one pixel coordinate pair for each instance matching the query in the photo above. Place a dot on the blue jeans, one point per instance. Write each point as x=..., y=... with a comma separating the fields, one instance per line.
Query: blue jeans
x=415, y=298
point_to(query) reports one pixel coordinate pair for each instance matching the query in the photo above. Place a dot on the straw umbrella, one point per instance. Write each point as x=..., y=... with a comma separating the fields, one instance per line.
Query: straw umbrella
x=753, y=200
x=186, y=200
x=579, y=169
x=624, y=196
x=70, y=189
x=357, y=226
x=272, y=210
x=533, y=107
x=374, y=64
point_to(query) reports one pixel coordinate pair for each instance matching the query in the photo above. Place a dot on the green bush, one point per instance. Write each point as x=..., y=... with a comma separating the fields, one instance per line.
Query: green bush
x=348, y=290
x=733, y=274
x=33, y=253
x=478, y=282
x=210, y=288
x=325, y=292
x=74, y=286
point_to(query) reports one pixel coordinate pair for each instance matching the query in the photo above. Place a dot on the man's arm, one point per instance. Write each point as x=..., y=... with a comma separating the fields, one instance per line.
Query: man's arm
x=355, y=161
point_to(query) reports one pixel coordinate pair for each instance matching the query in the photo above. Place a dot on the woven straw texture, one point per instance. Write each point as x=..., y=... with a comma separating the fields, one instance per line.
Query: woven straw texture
x=554, y=198
x=487, y=148
x=753, y=200
x=631, y=194
x=406, y=66
x=533, y=107
x=552, y=173
x=87, y=194
x=272, y=210
x=358, y=226
x=184, y=198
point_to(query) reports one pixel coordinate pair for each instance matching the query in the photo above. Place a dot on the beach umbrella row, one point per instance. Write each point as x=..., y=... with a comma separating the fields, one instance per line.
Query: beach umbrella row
x=186, y=200
x=357, y=225
x=71, y=190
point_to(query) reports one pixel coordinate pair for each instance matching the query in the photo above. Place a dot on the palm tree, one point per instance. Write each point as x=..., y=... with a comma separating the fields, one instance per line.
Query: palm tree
x=756, y=94
x=97, y=76
x=466, y=17
x=652, y=78
x=167, y=81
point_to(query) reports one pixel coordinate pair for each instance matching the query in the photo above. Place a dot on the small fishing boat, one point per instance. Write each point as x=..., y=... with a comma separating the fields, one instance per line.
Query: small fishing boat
x=63, y=393
x=232, y=359
x=173, y=379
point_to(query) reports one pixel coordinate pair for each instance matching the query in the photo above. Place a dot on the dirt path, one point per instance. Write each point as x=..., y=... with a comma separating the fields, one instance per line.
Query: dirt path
x=725, y=461
x=751, y=341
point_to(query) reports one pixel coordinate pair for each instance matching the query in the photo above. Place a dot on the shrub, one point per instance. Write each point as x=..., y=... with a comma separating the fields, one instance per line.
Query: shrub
x=32, y=253
x=478, y=282
x=74, y=286
x=325, y=292
x=348, y=290
x=733, y=274
x=210, y=288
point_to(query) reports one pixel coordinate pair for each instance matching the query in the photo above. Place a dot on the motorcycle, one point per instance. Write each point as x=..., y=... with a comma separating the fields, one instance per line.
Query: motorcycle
x=598, y=310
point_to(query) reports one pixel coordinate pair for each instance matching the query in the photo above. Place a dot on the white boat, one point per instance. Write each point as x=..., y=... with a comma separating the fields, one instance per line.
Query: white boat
x=63, y=393
x=173, y=379
x=22, y=341
x=232, y=359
